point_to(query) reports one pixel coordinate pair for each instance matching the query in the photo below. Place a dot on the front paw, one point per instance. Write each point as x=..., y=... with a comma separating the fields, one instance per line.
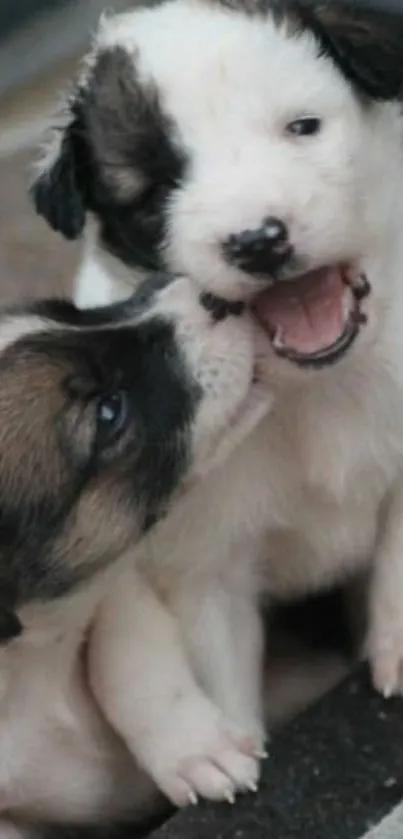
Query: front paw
x=197, y=752
x=384, y=649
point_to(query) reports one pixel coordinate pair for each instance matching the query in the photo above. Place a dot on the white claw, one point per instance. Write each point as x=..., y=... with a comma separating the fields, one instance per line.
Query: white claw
x=388, y=692
x=252, y=786
x=230, y=797
x=193, y=799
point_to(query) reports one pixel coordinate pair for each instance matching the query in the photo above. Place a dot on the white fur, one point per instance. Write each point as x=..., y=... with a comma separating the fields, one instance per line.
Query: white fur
x=59, y=759
x=101, y=278
x=316, y=492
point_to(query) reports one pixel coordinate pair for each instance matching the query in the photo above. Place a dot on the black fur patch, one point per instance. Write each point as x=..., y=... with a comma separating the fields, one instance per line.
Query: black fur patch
x=58, y=193
x=29, y=532
x=64, y=313
x=364, y=42
x=118, y=134
x=363, y=39
x=148, y=460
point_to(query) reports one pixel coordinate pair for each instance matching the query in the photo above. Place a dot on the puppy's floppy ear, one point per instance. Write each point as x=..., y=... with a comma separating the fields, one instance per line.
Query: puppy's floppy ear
x=59, y=190
x=365, y=42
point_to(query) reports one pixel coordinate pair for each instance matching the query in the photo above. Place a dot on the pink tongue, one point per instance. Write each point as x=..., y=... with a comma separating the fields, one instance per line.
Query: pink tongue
x=307, y=313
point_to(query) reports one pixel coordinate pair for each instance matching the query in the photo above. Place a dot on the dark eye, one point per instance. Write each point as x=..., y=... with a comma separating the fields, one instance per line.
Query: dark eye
x=304, y=127
x=112, y=412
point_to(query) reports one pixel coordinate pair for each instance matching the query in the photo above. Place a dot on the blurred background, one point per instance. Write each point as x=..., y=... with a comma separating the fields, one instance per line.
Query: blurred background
x=41, y=42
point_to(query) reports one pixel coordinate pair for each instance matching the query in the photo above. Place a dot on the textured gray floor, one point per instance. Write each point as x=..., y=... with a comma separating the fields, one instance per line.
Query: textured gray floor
x=335, y=772
x=390, y=828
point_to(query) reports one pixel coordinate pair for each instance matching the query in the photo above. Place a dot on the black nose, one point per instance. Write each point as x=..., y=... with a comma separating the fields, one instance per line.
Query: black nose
x=262, y=250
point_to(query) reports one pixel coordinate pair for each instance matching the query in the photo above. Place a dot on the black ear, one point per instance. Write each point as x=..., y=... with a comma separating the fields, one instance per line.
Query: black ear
x=365, y=42
x=58, y=192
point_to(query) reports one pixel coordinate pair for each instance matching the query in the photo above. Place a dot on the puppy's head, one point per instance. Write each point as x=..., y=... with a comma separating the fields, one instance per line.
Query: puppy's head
x=104, y=416
x=240, y=143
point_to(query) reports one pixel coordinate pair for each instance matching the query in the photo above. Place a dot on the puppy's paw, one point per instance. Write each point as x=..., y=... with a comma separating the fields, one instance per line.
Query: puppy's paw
x=198, y=753
x=385, y=653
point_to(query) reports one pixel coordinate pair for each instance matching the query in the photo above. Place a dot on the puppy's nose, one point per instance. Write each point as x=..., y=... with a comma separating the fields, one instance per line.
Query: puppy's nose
x=262, y=250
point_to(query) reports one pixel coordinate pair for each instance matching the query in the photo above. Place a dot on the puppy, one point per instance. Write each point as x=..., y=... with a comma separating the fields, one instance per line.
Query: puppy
x=258, y=147
x=107, y=416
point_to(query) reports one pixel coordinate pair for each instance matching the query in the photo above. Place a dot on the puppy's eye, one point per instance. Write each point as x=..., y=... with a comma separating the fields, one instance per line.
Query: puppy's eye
x=304, y=127
x=112, y=414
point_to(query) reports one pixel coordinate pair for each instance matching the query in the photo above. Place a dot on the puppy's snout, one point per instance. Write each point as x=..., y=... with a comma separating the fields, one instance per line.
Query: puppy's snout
x=219, y=308
x=262, y=250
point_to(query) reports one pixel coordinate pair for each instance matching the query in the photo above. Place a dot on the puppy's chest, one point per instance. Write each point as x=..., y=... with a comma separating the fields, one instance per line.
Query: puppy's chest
x=305, y=490
x=329, y=475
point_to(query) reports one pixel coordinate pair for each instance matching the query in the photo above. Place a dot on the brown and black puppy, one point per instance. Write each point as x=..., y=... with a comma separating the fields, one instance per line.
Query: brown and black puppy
x=104, y=417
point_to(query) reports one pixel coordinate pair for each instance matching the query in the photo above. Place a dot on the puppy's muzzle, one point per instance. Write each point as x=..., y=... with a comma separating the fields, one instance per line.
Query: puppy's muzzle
x=261, y=251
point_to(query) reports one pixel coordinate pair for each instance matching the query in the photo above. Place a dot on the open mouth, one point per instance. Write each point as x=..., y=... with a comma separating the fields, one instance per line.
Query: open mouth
x=314, y=319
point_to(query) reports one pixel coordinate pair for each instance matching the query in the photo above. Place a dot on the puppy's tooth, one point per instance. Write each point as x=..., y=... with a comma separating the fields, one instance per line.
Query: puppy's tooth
x=277, y=340
x=347, y=302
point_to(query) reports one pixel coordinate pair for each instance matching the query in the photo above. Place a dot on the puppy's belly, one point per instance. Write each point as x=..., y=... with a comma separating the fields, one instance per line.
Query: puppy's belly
x=58, y=758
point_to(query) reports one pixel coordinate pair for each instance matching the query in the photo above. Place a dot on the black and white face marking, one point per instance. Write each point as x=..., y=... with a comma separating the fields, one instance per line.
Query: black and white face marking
x=103, y=416
x=120, y=159
x=237, y=143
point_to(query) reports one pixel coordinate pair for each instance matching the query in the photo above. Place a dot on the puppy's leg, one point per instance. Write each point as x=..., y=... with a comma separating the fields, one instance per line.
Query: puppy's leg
x=385, y=635
x=141, y=678
x=223, y=633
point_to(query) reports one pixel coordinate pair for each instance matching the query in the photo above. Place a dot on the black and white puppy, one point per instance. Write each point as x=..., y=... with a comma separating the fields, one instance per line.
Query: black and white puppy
x=105, y=417
x=257, y=146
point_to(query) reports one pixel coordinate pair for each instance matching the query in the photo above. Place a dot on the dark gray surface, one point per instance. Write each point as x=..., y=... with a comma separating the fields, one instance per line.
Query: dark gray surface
x=333, y=773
